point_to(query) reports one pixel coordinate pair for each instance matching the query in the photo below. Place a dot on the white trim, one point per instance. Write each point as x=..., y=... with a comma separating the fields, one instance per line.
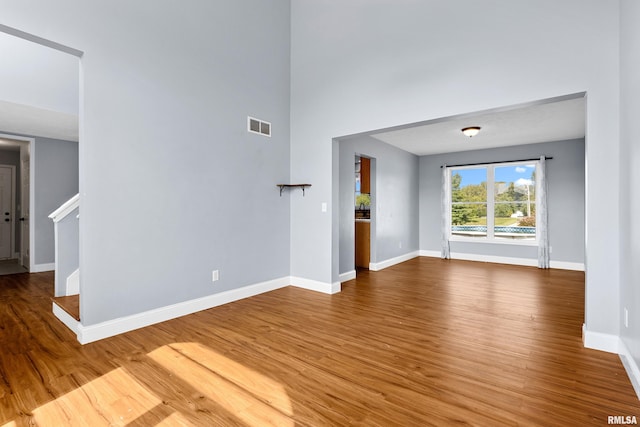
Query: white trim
x=491, y=202
x=377, y=266
x=600, y=341
x=39, y=268
x=630, y=366
x=57, y=280
x=66, y=318
x=314, y=285
x=65, y=209
x=12, y=210
x=41, y=41
x=529, y=262
x=432, y=254
x=91, y=333
x=494, y=241
x=565, y=265
x=349, y=275
x=73, y=283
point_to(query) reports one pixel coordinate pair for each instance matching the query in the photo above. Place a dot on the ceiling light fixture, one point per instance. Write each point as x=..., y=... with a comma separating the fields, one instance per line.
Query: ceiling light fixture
x=471, y=131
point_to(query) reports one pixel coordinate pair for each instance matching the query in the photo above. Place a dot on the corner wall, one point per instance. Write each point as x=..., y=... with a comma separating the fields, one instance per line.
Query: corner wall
x=630, y=196
x=385, y=64
x=172, y=184
x=394, y=223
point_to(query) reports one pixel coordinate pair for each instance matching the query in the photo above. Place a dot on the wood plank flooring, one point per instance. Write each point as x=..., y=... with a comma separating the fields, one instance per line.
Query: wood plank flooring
x=426, y=342
x=70, y=304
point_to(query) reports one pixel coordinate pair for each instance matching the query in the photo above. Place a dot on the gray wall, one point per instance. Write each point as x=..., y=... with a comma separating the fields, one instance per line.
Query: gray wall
x=629, y=178
x=566, y=190
x=55, y=173
x=143, y=96
x=12, y=157
x=394, y=179
x=172, y=185
x=401, y=64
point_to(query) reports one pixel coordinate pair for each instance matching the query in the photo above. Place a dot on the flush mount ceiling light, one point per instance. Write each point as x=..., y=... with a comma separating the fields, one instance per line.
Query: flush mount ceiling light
x=471, y=131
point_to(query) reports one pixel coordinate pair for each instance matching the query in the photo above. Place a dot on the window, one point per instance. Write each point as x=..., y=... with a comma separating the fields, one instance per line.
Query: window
x=494, y=202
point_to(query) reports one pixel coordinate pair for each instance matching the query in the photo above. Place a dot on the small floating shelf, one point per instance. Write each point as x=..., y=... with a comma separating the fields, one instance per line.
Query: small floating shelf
x=301, y=186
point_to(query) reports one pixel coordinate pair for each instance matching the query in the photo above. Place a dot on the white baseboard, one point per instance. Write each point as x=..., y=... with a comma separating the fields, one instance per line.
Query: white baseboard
x=377, y=266
x=87, y=334
x=73, y=283
x=39, y=268
x=495, y=259
x=432, y=254
x=314, y=285
x=66, y=318
x=600, y=341
x=630, y=365
x=564, y=265
x=529, y=262
x=349, y=275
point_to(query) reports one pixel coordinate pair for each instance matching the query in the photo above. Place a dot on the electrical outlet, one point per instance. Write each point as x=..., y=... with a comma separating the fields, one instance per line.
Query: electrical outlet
x=400, y=244
x=215, y=276
x=550, y=249
x=626, y=317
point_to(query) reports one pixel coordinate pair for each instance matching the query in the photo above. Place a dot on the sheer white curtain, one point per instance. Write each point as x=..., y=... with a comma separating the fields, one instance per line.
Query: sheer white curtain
x=543, y=216
x=445, y=220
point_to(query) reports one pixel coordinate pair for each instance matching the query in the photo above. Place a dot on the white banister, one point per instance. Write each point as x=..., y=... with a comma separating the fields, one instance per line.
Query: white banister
x=67, y=246
x=65, y=209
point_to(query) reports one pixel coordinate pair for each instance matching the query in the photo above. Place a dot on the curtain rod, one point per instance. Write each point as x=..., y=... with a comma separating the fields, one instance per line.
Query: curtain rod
x=495, y=163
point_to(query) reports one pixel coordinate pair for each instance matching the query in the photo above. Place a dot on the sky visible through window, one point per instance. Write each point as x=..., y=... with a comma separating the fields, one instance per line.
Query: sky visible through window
x=518, y=174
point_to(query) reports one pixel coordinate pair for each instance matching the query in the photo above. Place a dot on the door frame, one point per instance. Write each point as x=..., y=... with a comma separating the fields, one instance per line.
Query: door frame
x=12, y=212
x=26, y=145
x=373, y=257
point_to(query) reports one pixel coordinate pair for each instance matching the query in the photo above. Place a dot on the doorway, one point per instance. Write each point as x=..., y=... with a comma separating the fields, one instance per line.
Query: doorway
x=15, y=193
x=364, y=212
x=41, y=97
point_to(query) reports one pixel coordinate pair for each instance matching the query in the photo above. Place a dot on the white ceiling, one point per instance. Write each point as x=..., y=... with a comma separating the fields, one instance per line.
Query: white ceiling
x=540, y=122
x=39, y=90
x=28, y=120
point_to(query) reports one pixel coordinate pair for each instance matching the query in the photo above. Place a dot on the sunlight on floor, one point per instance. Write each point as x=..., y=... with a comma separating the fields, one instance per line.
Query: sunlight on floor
x=113, y=399
x=248, y=395
x=118, y=398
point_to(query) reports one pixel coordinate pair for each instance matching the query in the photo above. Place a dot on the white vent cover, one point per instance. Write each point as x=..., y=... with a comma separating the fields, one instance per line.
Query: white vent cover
x=258, y=126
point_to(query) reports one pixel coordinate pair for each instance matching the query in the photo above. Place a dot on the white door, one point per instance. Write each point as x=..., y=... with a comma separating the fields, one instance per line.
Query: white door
x=24, y=213
x=6, y=211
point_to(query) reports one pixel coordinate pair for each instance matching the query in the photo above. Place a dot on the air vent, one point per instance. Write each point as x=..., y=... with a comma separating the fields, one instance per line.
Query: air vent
x=258, y=126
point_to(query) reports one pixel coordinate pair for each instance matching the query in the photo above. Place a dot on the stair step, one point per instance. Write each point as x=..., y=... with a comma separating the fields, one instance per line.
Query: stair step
x=70, y=304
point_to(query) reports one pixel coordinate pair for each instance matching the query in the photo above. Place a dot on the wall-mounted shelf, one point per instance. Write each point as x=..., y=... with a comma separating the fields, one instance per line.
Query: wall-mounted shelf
x=301, y=186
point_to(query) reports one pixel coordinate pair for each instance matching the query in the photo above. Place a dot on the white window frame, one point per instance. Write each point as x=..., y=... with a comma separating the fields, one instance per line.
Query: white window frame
x=490, y=237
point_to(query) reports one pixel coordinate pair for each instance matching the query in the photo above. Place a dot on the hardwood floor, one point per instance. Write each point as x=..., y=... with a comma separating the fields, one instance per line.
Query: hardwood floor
x=426, y=342
x=70, y=304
